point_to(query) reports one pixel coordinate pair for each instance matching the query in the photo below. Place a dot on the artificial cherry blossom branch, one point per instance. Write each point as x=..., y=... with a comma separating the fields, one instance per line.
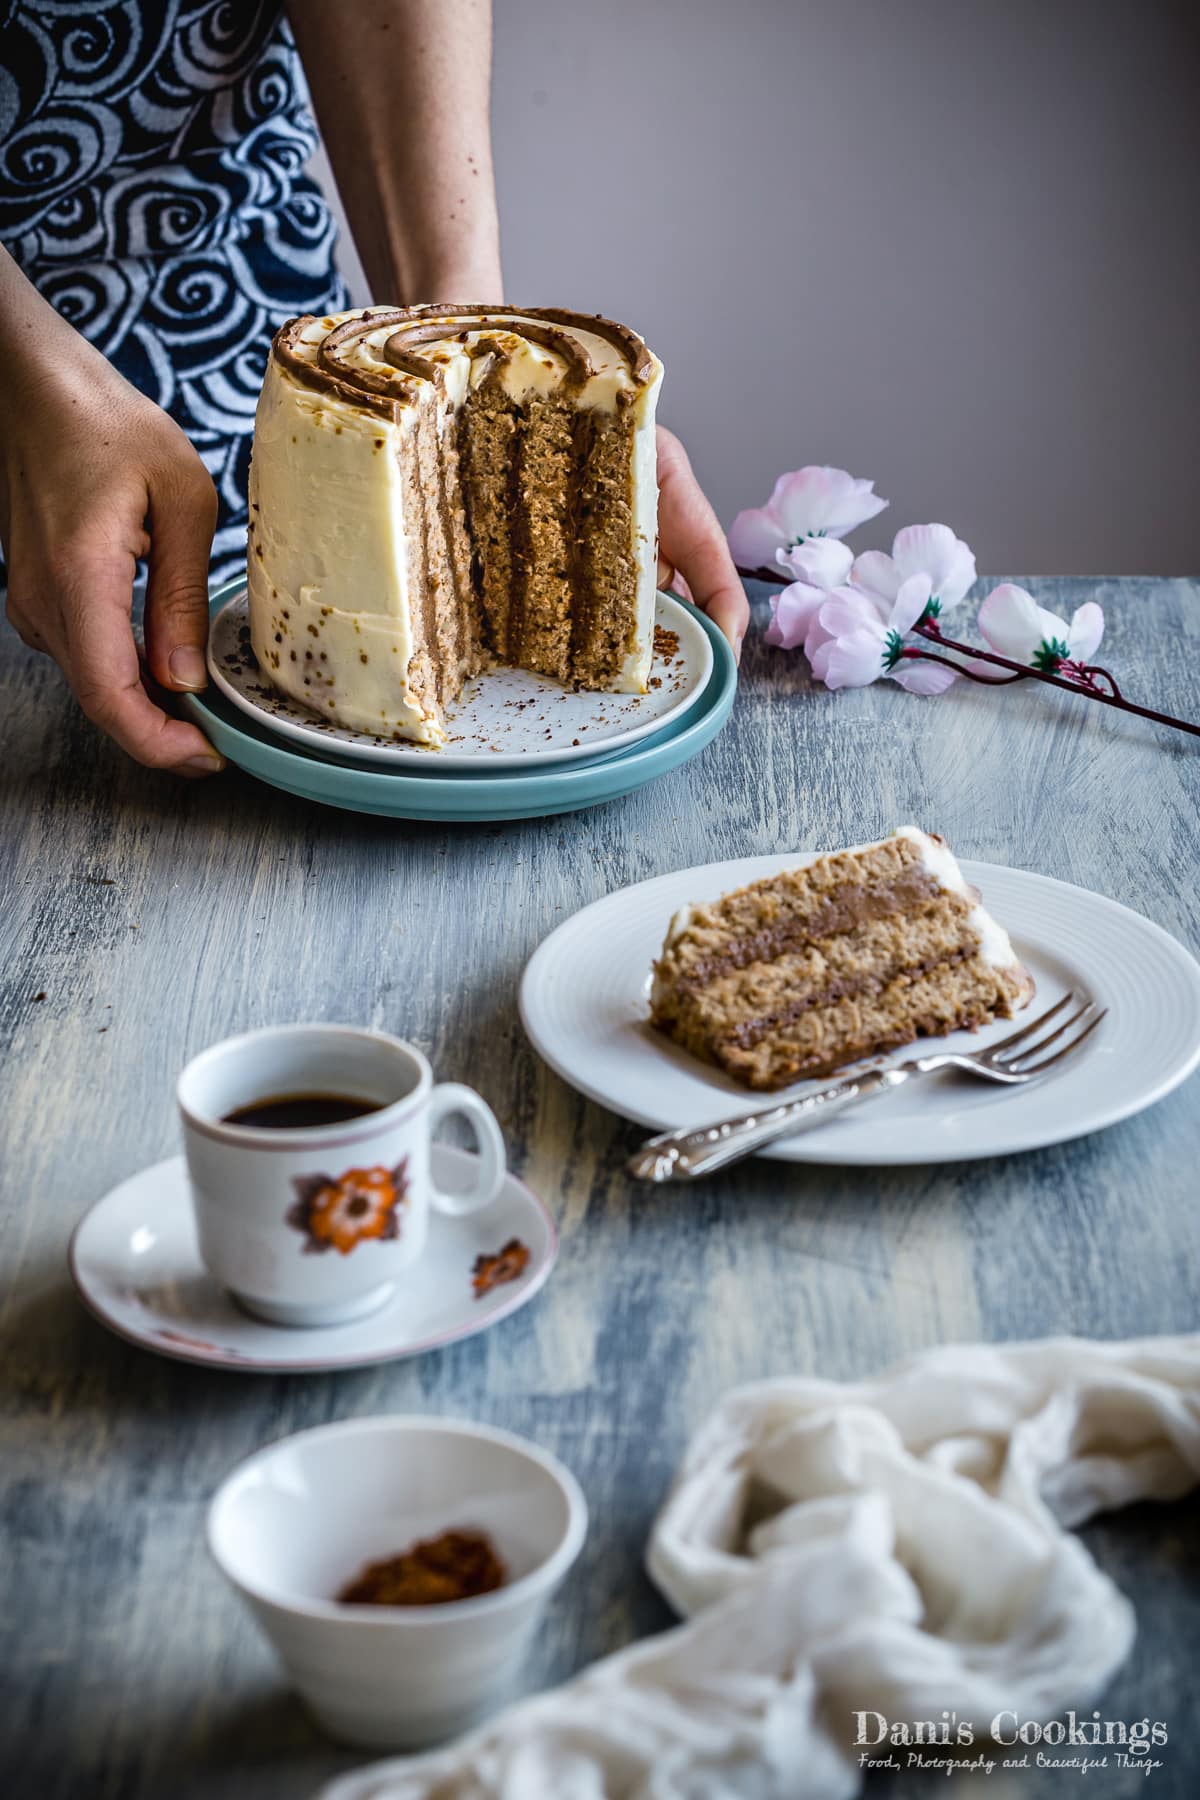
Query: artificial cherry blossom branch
x=1080, y=677
x=1086, y=684
x=912, y=655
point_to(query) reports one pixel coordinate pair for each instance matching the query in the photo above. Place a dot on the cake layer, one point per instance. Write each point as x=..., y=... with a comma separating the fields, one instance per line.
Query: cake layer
x=858, y=952
x=483, y=478
x=746, y=999
x=956, y=995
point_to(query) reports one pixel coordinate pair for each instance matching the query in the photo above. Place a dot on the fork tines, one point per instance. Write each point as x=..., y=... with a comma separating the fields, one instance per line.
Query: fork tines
x=1030, y=1057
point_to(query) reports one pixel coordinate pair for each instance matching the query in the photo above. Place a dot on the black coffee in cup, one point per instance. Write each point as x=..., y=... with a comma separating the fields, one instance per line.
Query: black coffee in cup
x=287, y=1112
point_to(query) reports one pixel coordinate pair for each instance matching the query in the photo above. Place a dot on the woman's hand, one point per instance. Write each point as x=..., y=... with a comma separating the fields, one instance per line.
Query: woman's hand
x=92, y=476
x=692, y=545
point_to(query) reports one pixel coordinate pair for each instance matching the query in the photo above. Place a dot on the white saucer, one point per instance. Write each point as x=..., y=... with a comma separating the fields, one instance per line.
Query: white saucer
x=134, y=1260
x=584, y=1004
x=504, y=719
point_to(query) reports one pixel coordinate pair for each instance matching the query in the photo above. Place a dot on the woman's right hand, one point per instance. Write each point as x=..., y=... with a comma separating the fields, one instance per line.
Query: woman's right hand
x=92, y=477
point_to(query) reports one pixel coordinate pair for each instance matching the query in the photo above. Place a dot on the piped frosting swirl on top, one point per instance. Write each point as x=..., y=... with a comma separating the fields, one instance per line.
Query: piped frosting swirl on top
x=383, y=358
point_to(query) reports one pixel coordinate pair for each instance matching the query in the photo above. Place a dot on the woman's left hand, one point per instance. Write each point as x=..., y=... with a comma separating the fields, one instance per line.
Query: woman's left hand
x=691, y=544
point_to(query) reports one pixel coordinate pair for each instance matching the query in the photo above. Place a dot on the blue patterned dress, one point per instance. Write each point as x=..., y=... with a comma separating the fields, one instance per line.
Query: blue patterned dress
x=152, y=189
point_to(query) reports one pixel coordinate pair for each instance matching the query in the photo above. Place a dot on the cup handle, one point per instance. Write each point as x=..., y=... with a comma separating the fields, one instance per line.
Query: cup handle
x=452, y=1097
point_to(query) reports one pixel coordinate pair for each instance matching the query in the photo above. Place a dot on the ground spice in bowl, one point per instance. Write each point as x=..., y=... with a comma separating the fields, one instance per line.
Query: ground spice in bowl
x=458, y=1565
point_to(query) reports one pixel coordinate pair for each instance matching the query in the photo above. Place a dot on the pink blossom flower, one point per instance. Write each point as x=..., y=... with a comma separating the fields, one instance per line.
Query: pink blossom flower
x=811, y=502
x=1017, y=627
x=931, y=550
x=795, y=618
x=823, y=562
x=862, y=642
x=820, y=565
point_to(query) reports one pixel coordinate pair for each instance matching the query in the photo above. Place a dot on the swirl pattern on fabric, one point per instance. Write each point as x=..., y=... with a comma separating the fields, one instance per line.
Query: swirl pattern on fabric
x=152, y=188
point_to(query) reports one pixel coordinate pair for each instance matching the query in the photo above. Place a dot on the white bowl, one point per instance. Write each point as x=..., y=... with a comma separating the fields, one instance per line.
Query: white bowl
x=290, y=1526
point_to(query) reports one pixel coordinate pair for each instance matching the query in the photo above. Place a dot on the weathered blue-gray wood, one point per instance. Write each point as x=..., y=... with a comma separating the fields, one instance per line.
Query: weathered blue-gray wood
x=156, y=918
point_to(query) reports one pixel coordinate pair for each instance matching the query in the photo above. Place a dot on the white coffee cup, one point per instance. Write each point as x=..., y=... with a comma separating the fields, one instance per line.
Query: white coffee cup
x=313, y=1225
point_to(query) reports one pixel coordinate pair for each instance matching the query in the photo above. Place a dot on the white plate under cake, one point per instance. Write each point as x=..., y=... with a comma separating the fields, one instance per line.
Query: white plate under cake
x=505, y=719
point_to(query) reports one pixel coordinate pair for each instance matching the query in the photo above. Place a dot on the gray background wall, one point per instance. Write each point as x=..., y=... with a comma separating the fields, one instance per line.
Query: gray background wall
x=950, y=244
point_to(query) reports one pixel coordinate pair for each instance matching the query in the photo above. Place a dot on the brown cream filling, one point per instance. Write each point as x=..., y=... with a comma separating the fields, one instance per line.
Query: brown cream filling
x=749, y=1032
x=831, y=915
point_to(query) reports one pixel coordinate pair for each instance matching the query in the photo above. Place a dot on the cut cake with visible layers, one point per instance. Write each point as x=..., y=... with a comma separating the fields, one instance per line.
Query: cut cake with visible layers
x=853, y=954
x=436, y=488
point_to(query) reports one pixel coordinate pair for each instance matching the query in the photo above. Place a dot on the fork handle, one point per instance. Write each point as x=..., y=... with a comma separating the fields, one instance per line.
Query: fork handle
x=684, y=1155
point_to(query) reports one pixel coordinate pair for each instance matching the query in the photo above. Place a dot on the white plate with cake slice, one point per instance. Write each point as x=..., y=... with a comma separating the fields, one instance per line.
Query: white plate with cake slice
x=504, y=719
x=585, y=1004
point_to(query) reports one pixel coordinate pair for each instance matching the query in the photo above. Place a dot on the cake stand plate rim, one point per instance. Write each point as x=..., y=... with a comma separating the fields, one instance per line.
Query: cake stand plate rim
x=359, y=750
x=467, y=799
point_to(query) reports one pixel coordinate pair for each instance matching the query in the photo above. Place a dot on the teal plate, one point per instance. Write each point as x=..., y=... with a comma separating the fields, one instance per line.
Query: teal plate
x=395, y=795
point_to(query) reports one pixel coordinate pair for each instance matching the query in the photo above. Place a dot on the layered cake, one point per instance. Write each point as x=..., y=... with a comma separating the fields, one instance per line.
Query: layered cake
x=435, y=489
x=851, y=955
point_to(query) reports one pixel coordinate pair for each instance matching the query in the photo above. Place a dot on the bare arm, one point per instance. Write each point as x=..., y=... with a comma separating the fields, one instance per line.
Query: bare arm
x=402, y=99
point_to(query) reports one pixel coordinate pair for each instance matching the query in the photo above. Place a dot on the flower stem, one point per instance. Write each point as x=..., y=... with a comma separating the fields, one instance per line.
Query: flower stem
x=1116, y=698
x=967, y=674
x=1083, y=683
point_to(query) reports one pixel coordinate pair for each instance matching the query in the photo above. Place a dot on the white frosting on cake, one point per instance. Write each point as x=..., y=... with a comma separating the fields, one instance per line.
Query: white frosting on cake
x=995, y=946
x=328, y=564
x=330, y=590
x=636, y=670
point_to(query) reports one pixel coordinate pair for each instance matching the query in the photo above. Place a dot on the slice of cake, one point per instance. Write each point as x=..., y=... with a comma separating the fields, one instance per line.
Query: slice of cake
x=851, y=955
x=436, y=488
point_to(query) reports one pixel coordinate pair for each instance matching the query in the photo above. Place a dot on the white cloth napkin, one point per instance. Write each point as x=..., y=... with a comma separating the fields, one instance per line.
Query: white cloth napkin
x=899, y=1546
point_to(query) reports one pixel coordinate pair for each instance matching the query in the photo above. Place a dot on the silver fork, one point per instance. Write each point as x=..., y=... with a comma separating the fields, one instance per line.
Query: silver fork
x=1022, y=1056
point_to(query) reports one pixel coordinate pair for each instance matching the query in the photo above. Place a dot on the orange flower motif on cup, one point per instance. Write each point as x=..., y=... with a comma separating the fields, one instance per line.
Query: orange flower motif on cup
x=340, y=1212
x=508, y=1263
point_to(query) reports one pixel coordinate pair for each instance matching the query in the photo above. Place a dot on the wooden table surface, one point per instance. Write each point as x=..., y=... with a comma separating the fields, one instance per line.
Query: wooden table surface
x=143, y=919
